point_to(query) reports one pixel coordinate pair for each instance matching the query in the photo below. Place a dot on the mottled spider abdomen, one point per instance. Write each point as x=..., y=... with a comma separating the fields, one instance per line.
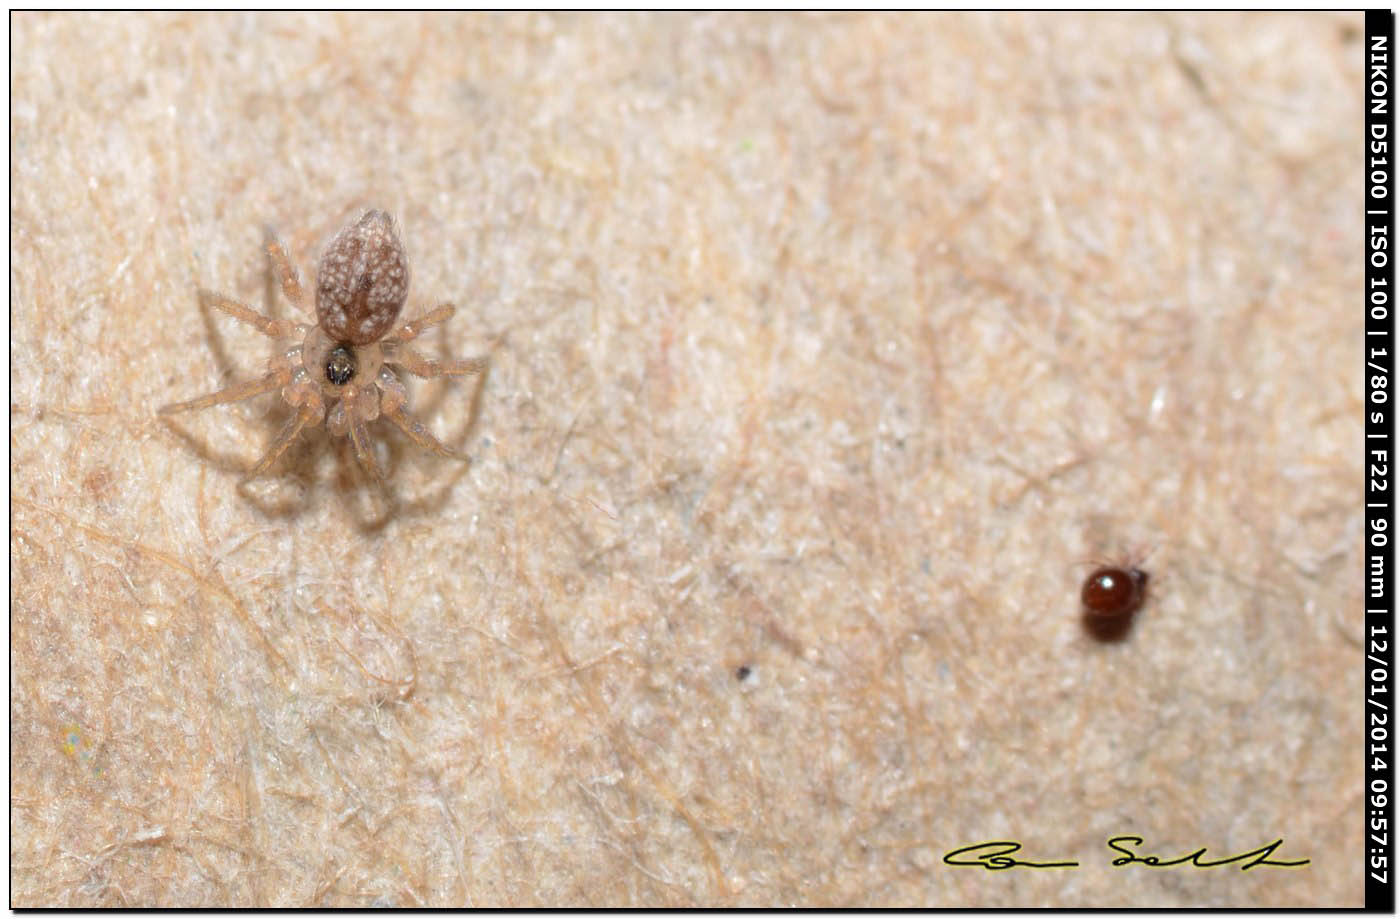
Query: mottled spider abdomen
x=362, y=281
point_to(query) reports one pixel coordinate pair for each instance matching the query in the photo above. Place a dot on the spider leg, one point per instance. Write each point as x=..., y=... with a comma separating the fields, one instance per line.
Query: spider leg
x=286, y=273
x=364, y=451
x=273, y=328
x=420, y=366
x=235, y=393
x=415, y=327
x=421, y=436
x=289, y=432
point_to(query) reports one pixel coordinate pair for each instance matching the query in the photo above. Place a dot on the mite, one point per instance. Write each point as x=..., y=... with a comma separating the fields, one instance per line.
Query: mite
x=1114, y=592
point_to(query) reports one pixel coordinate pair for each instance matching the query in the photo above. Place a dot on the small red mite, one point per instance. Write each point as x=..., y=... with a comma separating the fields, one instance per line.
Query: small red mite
x=1114, y=592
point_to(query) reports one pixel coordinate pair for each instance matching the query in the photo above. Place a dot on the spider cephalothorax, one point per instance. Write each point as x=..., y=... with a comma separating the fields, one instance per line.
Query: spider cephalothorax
x=340, y=370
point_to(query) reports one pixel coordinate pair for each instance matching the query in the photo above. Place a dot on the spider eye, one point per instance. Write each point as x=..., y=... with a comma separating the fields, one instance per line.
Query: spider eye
x=340, y=365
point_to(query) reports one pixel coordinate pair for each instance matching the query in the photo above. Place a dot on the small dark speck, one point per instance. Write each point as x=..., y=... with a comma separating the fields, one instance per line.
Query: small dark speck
x=743, y=673
x=486, y=442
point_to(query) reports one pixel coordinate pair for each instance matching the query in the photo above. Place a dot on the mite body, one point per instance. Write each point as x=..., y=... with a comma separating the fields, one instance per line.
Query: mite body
x=1114, y=592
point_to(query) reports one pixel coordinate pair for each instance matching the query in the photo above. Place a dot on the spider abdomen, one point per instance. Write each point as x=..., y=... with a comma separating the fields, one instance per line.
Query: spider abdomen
x=362, y=281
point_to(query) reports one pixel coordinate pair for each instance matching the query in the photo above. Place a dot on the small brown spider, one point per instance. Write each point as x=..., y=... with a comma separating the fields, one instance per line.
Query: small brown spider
x=338, y=370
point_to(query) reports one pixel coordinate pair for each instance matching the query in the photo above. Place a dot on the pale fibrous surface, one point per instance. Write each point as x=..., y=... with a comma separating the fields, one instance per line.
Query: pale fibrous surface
x=828, y=355
x=341, y=371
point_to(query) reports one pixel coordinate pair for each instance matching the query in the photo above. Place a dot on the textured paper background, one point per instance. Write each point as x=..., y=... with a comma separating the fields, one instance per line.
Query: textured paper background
x=829, y=347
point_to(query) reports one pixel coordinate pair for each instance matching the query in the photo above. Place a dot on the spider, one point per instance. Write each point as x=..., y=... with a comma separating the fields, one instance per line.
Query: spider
x=340, y=370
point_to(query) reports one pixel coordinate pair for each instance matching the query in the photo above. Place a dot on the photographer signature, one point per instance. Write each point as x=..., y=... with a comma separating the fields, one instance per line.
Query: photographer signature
x=997, y=856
